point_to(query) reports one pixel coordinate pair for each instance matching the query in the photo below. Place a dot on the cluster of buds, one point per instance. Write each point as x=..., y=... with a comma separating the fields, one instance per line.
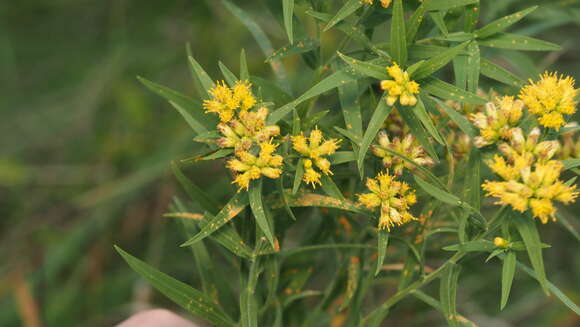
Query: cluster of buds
x=401, y=87
x=499, y=118
x=393, y=197
x=225, y=100
x=550, y=99
x=395, y=125
x=248, y=129
x=314, y=148
x=407, y=146
x=570, y=146
x=530, y=177
x=247, y=166
x=384, y=3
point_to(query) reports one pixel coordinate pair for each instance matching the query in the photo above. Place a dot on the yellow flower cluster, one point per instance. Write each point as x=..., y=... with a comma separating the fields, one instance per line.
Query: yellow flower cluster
x=225, y=100
x=247, y=166
x=531, y=178
x=248, y=129
x=393, y=197
x=499, y=118
x=400, y=87
x=408, y=146
x=550, y=99
x=384, y=3
x=314, y=148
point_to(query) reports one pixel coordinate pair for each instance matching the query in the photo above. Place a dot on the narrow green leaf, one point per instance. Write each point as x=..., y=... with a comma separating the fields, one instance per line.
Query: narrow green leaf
x=437, y=62
x=472, y=246
x=230, y=77
x=526, y=226
x=447, y=4
x=448, y=293
x=330, y=187
x=195, y=192
x=248, y=308
x=307, y=199
x=383, y=242
x=187, y=107
x=473, y=66
x=365, y=68
x=503, y=23
x=398, y=34
x=329, y=83
x=472, y=185
x=313, y=119
x=352, y=278
x=420, y=112
x=507, y=277
x=255, y=197
x=201, y=76
x=493, y=71
x=381, y=113
x=439, y=20
x=236, y=204
x=348, y=96
x=555, y=290
x=298, y=176
x=244, y=73
x=182, y=294
x=471, y=17
x=340, y=157
x=518, y=42
x=288, y=12
x=457, y=37
x=457, y=118
x=280, y=184
x=447, y=91
x=348, y=9
x=414, y=23
x=437, y=193
x=571, y=163
x=220, y=153
x=300, y=46
x=418, y=131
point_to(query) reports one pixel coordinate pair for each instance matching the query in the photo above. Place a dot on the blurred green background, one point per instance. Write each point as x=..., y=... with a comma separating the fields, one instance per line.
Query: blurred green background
x=85, y=152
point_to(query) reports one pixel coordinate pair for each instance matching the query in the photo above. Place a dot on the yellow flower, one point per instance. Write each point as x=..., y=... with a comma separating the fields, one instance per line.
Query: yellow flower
x=225, y=101
x=247, y=166
x=524, y=150
x=500, y=242
x=499, y=118
x=314, y=148
x=384, y=3
x=408, y=147
x=393, y=197
x=534, y=189
x=248, y=129
x=400, y=87
x=550, y=99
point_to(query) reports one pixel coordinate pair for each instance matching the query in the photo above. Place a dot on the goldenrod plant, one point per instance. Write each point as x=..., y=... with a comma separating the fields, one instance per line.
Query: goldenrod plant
x=372, y=174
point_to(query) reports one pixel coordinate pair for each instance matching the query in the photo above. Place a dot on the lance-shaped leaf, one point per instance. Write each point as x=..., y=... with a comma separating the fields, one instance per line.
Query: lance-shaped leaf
x=447, y=4
x=503, y=23
x=255, y=197
x=414, y=23
x=195, y=192
x=329, y=83
x=201, y=77
x=526, y=226
x=187, y=107
x=301, y=46
x=383, y=242
x=229, y=76
x=306, y=199
x=517, y=42
x=288, y=12
x=571, y=163
x=244, y=73
x=493, y=71
x=237, y=203
x=421, y=113
x=398, y=34
x=447, y=91
x=348, y=9
x=418, y=131
x=448, y=293
x=507, y=277
x=435, y=63
x=457, y=118
x=330, y=187
x=352, y=281
x=365, y=68
x=184, y=295
x=381, y=113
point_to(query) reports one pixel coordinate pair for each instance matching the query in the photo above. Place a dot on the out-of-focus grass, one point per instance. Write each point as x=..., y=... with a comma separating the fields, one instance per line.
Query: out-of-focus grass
x=85, y=151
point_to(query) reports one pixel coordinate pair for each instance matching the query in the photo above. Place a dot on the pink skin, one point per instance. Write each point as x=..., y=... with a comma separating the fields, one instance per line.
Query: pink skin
x=156, y=318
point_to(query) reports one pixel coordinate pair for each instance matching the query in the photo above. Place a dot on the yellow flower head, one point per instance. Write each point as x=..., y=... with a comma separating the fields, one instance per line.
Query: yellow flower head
x=225, y=101
x=499, y=118
x=248, y=129
x=500, y=242
x=406, y=146
x=315, y=149
x=524, y=150
x=247, y=166
x=393, y=197
x=384, y=3
x=530, y=181
x=400, y=87
x=550, y=99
